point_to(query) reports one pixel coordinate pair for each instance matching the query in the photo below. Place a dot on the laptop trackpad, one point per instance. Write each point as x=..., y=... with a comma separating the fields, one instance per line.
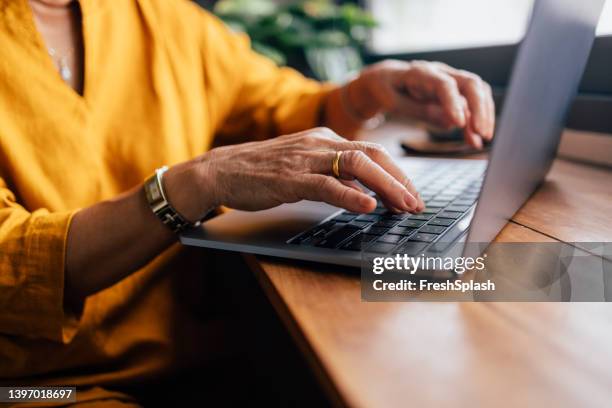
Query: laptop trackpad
x=276, y=225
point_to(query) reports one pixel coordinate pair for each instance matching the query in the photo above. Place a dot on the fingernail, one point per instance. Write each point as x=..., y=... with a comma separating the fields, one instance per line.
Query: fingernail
x=366, y=201
x=483, y=128
x=478, y=142
x=410, y=201
x=421, y=203
x=460, y=115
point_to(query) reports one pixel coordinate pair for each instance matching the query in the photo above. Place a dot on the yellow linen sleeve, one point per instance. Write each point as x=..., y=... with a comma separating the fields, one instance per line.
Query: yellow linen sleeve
x=32, y=255
x=264, y=100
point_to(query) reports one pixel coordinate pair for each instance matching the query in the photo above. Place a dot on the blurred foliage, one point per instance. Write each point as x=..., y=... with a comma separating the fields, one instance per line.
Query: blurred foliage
x=285, y=32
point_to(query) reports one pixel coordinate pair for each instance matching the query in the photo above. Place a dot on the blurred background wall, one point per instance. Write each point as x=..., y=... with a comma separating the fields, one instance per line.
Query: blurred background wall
x=332, y=39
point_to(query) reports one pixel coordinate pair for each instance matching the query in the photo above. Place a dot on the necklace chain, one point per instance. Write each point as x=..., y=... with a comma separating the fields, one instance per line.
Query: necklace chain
x=61, y=60
x=62, y=64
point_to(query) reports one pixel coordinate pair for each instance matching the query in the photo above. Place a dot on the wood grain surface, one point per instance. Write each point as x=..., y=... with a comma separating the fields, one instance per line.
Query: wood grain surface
x=426, y=354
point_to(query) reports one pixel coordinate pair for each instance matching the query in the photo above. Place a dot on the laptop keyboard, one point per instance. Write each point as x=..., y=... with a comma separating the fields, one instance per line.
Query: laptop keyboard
x=449, y=191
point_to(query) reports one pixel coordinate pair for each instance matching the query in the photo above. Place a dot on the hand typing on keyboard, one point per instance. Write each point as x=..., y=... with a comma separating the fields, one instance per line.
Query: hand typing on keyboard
x=450, y=191
x=287, y=169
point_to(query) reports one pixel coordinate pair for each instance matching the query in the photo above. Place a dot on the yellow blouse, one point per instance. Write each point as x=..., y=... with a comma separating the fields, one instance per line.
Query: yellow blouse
x=162, y=79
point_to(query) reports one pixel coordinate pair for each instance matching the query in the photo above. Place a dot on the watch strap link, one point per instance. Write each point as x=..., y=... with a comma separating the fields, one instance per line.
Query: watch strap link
x=156, y=197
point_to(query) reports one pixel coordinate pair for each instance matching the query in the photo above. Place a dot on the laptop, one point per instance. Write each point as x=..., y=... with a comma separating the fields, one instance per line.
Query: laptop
x=466, y=200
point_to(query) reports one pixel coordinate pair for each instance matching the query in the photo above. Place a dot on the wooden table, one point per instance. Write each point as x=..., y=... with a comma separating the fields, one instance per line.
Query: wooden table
x=459, y=354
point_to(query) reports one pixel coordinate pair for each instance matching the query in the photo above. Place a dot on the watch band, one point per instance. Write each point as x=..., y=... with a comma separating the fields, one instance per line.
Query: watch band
x=156, y=197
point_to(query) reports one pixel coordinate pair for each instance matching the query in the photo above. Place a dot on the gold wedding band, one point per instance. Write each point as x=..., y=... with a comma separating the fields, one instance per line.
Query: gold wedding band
x=336, y=164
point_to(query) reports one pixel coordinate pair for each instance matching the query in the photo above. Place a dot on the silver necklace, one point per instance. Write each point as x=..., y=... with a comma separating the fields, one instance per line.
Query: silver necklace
x=61, y=61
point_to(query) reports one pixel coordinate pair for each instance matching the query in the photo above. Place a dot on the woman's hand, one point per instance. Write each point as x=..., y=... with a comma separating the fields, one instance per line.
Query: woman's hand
x=259, y=175
x=250, y=176
x=433, y=92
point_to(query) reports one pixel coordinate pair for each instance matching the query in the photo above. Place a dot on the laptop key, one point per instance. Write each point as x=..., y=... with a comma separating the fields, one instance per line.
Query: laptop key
x=386, y=223
x=368, y=217
x=468, y=196
x=402, y=231
x=443, y=222
x=446, y=197
x=391, y=238
x=336, y=237
x=381, y=248
x=392, y=216
x=431, y=210
x=421, y=237
x=464, y=202
x=448, y=238
x=437, y=203
x=460, y=208
x=367, y=237
x=364, y=238
x=411, y=248
x=424, y=217
x=377, y=230
x=450, y=214
x=432, y=229
x=361, y=224
x=344, y=218
x=411, y=223
x=322, y=229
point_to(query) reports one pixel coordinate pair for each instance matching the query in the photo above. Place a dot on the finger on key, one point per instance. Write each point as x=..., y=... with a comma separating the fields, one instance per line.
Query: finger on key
x=380, y=155
x=357, y=164
x=317, y=187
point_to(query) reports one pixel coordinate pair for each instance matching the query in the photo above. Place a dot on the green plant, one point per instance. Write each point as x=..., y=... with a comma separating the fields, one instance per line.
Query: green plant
x=286, y=33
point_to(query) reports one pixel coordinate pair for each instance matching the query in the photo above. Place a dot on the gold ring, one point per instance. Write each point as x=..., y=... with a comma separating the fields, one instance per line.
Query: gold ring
x=336, y=164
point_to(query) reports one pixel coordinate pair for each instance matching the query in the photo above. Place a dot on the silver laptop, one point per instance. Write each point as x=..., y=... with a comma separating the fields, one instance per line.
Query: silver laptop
x=467, y=201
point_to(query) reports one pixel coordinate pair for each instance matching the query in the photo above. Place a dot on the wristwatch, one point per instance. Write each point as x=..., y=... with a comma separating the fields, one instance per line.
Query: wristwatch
x=156, y=197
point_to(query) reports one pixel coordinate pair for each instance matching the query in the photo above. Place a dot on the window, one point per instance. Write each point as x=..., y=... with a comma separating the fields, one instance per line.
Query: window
x=408, y=26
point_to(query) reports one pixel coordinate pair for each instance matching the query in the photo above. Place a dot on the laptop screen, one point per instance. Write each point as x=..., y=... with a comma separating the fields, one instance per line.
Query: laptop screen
x=544, y=81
